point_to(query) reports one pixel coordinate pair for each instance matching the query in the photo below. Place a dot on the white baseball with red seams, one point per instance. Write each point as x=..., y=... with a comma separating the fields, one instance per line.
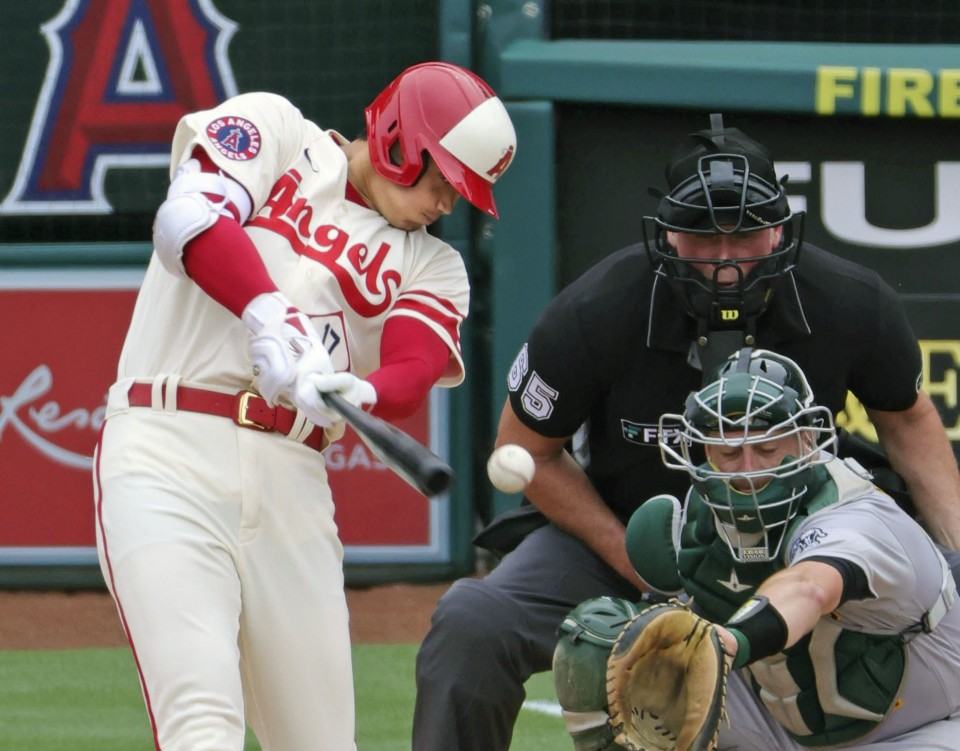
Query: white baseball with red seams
x=511, y=468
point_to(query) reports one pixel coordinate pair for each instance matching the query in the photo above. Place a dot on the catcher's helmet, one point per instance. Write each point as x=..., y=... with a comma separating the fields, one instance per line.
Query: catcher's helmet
x=758, y=397
x=455, y=117
x=721, y=181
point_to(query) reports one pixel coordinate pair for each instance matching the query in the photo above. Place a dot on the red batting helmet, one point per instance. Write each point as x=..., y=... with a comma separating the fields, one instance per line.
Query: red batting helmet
x=455, y=117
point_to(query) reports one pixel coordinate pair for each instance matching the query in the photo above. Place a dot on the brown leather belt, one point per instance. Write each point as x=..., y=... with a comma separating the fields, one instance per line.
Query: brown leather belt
x=246, y=409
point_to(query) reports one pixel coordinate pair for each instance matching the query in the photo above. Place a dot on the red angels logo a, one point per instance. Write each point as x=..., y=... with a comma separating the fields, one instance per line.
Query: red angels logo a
x=121, y=75
x=498, y=169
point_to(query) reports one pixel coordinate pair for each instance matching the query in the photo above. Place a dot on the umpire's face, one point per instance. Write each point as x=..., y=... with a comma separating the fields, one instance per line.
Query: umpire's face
x=727, y=258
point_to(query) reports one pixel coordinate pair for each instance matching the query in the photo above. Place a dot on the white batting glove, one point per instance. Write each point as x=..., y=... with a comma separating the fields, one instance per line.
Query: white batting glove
x=284, y=345
x=355, y=390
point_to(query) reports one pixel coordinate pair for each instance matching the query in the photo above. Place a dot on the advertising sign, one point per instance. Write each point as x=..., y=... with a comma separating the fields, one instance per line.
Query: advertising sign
x=64, y=332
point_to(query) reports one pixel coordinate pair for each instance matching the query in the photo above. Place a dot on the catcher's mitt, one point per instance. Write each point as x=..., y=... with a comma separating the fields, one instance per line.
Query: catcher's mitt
x=666, y=681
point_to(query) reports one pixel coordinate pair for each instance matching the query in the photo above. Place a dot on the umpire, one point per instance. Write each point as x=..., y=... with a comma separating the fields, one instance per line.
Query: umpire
x=721, y=265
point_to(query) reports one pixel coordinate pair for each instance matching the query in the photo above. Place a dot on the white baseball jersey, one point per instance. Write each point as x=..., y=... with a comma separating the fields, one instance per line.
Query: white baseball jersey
x=339, y=262
x=217, y=541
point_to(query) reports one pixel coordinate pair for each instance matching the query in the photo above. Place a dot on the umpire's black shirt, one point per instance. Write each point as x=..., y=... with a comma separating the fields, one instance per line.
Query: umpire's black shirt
x=610, y=354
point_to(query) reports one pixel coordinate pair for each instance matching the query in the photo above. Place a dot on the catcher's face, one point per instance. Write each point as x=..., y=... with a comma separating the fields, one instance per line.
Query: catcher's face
x=746, y=462
x=726, y=258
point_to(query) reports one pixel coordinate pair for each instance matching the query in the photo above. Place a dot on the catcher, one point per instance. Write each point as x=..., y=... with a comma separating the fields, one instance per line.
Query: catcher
x=832, y=608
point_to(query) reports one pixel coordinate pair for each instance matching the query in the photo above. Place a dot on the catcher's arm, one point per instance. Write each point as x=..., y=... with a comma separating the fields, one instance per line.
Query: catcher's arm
x=786, y=607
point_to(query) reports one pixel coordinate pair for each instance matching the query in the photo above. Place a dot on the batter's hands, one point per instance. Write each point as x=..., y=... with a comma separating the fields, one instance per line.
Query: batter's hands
x=355, y=390
x=284, y=347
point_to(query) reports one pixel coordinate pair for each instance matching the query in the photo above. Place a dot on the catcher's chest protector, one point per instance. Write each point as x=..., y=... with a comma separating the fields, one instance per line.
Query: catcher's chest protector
x=708, y=572
x=873, y=667
x=838, y=696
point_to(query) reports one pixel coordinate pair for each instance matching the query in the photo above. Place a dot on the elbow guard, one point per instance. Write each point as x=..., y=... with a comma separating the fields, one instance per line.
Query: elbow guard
x=195, y=201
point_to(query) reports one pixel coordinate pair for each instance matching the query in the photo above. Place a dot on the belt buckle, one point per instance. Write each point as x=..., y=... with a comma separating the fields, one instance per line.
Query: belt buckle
x=240, y=404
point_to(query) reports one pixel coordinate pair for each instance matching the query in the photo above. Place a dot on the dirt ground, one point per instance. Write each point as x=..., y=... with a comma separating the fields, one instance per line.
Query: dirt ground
x=74, y=620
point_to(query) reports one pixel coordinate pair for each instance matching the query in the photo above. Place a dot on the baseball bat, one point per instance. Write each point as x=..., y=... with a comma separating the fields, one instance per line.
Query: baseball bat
x=403, y=454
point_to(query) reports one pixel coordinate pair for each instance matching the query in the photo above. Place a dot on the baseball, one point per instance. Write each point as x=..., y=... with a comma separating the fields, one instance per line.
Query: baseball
x=510, y=468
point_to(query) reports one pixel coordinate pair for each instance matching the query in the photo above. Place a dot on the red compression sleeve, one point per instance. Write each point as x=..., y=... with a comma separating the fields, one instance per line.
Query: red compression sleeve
x=225, y=264
x=223, y=261
x=412, y=359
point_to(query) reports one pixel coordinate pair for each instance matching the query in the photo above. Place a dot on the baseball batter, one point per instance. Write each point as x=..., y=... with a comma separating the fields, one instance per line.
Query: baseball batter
x=288, y=261
x=838, y=609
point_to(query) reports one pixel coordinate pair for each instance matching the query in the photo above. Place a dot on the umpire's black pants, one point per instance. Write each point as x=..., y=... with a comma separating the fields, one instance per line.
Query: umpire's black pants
x=489, y=635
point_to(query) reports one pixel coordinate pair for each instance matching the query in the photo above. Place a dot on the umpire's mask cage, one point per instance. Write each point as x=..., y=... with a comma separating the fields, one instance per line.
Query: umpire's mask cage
x=721, y=182
x=760, y=397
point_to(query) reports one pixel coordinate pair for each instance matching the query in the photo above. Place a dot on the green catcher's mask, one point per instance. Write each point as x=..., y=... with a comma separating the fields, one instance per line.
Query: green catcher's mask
x=759, y=397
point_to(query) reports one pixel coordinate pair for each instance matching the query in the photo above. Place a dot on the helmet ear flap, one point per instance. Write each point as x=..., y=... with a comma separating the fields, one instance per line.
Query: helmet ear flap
x=405, y=162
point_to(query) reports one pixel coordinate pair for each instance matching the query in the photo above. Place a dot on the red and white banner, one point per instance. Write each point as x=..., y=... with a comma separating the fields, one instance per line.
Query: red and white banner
x=61, y=339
